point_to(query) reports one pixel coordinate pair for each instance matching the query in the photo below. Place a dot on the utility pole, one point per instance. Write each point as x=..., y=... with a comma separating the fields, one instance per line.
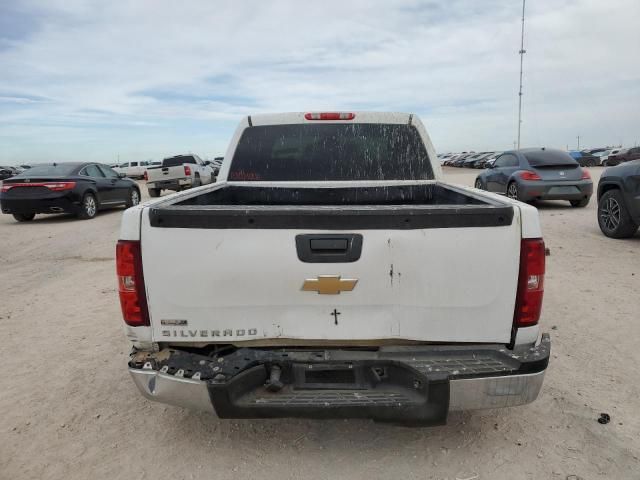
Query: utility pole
x=578, y=137
x=521, y=52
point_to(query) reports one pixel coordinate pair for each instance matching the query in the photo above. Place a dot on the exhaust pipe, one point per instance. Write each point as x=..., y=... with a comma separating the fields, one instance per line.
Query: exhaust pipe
x=56, y=209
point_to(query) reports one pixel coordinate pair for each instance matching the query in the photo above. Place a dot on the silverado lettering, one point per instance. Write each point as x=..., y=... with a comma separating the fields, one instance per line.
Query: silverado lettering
x=241, y=332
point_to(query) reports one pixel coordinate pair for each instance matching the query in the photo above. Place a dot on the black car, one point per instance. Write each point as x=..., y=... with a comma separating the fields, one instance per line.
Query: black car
x=78, y=188
x=619, y=200
x=585, y=159
x=7, y=172
x=532, y=174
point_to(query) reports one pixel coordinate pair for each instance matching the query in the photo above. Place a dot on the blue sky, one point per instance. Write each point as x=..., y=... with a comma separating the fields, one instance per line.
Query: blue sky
x=147, y=79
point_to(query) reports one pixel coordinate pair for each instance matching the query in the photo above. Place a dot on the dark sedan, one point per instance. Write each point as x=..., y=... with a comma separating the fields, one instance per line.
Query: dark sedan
x=619, y=200
x=538, y=174
x=8, y=172
x=585, y=159
x=622, y=156
x=78, y=188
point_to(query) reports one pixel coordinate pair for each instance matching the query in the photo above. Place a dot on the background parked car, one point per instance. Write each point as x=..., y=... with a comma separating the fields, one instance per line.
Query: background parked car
x=585, y=159
x=625, y=155
x=458, y=162
x=538, y=174
x=619, y=200
x=178, y=173
x=79, y=188
x=471, y=159
x=488, y=161
x=479, y=160
x=5, y=172
x=605, y=155
x=133, y=169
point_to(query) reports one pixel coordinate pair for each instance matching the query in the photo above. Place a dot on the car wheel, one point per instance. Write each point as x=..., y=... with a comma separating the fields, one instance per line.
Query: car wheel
x=134, y=198
x=196, y=181
x=580, y=203
x=154, y=192
x=512, y=191
x=478, y=184
x=24, y=217
x=89, y=207
x=613, y=218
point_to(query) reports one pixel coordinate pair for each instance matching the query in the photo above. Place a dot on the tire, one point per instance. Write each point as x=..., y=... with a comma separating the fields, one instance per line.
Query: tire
x=478, y=184
x=196, y=181
x=154, y=192
x=89, y=207
x=134, y=198
x=512, y=191
x=580, y=203
x=613, y=217
x=24, y=217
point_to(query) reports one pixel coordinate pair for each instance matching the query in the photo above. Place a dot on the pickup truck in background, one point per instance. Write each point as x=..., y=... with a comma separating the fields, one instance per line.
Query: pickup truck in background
x=336, y=276
x=178, y=173
x=132, y=169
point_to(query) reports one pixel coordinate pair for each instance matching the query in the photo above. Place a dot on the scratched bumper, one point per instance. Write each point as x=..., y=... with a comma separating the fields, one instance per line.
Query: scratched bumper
x=401, y=385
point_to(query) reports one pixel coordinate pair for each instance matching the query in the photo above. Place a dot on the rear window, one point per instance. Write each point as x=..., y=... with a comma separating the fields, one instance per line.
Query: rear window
x=547, y=157
x=177, y=161
x=358, y=151
x=55, y=170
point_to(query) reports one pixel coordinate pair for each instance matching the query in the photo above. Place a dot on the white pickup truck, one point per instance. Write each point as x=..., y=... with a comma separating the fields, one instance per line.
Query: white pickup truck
x=178, y=173
x=133, y=169
x=332, y=273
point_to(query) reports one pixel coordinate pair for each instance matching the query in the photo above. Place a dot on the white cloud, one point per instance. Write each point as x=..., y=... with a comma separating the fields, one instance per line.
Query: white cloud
x=148, y=78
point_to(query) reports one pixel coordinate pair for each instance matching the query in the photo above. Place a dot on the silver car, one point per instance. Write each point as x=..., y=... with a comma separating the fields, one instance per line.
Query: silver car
x=531, y=174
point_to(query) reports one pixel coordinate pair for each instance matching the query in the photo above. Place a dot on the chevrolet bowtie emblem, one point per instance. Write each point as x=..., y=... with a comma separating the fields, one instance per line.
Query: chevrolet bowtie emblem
x=329, y=284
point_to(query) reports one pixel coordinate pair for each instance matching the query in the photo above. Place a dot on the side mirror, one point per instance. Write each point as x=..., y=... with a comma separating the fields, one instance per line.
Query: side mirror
x=121, y=175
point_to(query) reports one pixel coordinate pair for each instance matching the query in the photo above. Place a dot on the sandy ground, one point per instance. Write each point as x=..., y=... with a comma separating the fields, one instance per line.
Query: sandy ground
x=69, y=410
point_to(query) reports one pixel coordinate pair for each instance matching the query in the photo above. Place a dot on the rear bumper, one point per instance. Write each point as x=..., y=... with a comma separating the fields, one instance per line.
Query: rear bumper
x=173, y=184
x=66, y=203
x=556, y=190
x=410, y=385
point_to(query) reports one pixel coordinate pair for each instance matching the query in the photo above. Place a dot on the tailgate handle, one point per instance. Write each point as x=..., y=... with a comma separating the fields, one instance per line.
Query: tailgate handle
x=329, y=245
x=329, y=248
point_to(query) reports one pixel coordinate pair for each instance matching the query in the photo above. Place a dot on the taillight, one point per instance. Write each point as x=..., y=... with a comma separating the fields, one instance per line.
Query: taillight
x=585, y=175
x=133, y=298
x=53, y=186
x=527, y=175
x=530, y=283
x=330, y=116
x=146, y=176
x=187, y=170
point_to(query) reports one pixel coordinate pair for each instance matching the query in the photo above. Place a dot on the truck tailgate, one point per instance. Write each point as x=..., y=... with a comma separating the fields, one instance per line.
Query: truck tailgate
x=158, y=174
x=425, y=284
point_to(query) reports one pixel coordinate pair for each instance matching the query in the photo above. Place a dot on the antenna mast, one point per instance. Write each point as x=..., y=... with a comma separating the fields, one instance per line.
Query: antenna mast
x=521, y=52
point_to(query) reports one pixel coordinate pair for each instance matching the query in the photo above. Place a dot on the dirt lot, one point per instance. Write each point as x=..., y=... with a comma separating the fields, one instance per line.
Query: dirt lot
x=69, y=409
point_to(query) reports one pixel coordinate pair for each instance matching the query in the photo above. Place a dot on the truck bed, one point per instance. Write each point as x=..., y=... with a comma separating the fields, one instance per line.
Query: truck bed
x=412, y=206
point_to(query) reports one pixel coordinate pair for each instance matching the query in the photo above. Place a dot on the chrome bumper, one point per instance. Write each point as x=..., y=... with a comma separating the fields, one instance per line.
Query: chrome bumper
x=464, y=394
